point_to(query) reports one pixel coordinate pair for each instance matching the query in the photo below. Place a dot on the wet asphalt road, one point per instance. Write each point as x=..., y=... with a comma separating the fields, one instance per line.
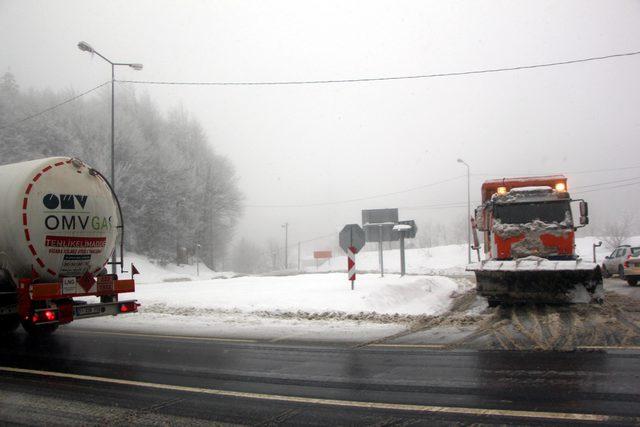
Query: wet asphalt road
x=604, y=384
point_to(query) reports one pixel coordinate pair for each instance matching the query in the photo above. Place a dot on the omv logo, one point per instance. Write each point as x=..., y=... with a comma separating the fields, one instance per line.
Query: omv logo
x=64, y=201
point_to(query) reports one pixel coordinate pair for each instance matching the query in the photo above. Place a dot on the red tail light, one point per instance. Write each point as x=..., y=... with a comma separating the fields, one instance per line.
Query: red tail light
x=128, y=307
x=44, y=316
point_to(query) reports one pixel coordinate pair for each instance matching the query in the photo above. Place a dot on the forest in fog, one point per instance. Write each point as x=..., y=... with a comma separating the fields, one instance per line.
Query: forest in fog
x=175, y=191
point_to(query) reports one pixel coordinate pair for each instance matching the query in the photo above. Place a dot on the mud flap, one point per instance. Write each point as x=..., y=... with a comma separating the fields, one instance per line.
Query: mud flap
x=542, y=286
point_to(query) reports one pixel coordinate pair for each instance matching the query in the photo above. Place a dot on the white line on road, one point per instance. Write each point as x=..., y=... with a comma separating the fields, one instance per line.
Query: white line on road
x=450, y=410
x=178, y=337
x=608, y=347
x=436, y=346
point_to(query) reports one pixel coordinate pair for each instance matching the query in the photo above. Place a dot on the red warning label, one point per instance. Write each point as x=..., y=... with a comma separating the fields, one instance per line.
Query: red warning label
x=75, y=242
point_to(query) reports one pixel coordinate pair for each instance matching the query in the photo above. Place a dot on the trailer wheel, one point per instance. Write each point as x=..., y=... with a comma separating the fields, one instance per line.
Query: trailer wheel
x=9, y=323
x=632, y=281
x=39, y=330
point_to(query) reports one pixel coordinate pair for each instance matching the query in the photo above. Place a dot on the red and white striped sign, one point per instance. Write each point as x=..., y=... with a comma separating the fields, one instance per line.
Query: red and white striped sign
x=351, y=263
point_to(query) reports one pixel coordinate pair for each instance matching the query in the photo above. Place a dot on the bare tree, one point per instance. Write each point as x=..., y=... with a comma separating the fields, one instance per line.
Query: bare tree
x=615, y=233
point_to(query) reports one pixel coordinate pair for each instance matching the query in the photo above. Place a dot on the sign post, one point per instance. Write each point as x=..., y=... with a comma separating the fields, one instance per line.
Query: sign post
x=378, y=226
x=380, y=251
x=351, y=264
x=351, y=241
x=406, y=229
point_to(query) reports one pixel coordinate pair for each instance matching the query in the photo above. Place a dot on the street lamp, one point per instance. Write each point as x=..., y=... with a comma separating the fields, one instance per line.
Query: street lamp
x=286, y=244
x=86, y=47
x=468, y=209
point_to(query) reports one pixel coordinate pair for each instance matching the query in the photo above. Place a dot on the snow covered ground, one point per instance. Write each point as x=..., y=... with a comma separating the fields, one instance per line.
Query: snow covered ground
x=447, y=260
x=153, y=272
x=285, y=307
x=318, y=304
x=440, y=260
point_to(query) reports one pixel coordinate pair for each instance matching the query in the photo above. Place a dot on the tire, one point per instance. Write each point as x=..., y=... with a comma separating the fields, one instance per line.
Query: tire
x=39, y=330
x=9, y=323
x=605, y=272
x=632, y=281
x=621, y=272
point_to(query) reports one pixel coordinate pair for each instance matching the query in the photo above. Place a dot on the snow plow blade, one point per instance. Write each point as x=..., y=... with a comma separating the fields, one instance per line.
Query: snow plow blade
x=538, y=280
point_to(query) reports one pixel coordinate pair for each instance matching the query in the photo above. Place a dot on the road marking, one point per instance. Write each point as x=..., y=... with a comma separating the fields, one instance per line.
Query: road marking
x=178, y=337
x=608, y=347
x=453, y=410
x=408, y=345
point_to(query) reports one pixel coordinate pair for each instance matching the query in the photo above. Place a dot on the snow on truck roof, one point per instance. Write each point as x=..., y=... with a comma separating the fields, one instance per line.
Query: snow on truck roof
x=490, y=187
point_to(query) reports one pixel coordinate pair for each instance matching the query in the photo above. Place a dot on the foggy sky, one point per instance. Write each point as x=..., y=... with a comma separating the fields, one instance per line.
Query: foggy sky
x=312, y=144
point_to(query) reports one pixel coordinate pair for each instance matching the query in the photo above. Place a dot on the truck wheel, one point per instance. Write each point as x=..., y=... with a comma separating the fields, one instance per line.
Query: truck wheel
x=39, y=330
x=621, y=272
x=632, y=281
x=9, y=323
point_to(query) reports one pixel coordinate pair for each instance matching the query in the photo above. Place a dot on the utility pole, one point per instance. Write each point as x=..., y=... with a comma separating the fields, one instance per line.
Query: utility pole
x=468, y=221
x=286, y=244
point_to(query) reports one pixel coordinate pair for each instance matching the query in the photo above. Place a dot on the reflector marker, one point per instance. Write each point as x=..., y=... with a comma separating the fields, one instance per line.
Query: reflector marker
x=46, y=169
x=40, y=263
x=50, y=271
x=32, y=249
x=24, y=203
x=37, y=177
x=26, y=234
x=29, y=187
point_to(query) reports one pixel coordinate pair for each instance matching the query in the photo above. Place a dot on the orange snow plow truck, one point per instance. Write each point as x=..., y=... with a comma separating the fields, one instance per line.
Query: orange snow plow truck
x=59, y=223
x=529, y=244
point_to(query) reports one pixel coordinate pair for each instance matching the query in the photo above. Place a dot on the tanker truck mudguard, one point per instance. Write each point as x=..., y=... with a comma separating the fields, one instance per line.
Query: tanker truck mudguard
x=529, y=244
x=59, y=224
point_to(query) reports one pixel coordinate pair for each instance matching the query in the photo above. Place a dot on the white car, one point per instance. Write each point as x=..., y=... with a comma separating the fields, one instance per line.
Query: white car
x=625, y=262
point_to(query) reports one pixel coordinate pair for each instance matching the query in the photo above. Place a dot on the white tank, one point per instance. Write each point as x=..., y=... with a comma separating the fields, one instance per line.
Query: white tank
x=58, y=218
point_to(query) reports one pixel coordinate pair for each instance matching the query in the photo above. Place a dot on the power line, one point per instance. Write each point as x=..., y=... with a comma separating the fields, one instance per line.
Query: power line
x=377, y=79
x=608, y=188
x=53, y=107
x=607, y=183
x=359, y=199
x=566, y=173
x=441, y=205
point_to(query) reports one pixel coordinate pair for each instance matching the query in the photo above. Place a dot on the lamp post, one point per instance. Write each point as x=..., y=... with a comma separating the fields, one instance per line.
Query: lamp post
x=85, y=47
x=468, y=210
x=286, y=244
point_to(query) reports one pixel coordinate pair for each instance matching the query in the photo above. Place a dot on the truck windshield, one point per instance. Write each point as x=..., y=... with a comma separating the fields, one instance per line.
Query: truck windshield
x=522, y=213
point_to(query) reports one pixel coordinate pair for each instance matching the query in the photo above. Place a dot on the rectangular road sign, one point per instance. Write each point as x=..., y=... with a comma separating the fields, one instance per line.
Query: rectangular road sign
x=377, y=216
x=378, y=224
x=321, y=254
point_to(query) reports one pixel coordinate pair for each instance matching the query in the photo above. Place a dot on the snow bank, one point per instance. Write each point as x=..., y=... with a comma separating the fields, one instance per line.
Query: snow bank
x=328, y=295
x=441, y=260
x=449, y=260
x=153, y=272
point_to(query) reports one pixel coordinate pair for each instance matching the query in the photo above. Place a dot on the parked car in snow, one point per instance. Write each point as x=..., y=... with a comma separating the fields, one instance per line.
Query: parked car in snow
x=625, y=262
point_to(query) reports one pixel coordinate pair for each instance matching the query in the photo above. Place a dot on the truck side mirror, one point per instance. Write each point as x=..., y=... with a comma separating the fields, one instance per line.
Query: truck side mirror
x=584, y=213
x=584, y=208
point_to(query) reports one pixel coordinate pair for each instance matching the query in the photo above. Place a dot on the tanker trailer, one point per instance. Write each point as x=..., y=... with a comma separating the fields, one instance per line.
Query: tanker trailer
x=59, y=223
